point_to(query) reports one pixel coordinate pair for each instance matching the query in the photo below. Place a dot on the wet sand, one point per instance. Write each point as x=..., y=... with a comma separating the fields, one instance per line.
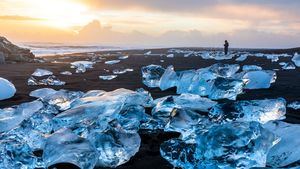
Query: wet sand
x=287, y=86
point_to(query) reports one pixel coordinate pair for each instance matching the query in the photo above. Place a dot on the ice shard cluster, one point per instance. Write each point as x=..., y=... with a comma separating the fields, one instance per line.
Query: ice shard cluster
x=218, y=81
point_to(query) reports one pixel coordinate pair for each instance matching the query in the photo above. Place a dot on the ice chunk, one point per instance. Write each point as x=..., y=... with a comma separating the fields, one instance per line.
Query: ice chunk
x=194, y=102
x=121, y=71
x=12, y=117
x=66, y=147
x=60, y=99
x=170, y=55
x=93, y=93
x=185, y=79
x=255, y=110
x=287, y=150
x=81, y=66
x=226, y=88
x=41, y=72
x=234, y=145
x=111, y=62
x=169, y=79
x=148, y=53
x=51, y=80
x=68, y=73
x=7, y=89
x=224, y=70
x=179, y=153
x=294, y=105
x=108, y=77
x=251, y=67
x=288, y=66
x=16, y=154
x=42, y=93
x=114, y=146
x=152, y=74
x=296, y=59
x=259, y=79
x=242, y=57
x=124, y=57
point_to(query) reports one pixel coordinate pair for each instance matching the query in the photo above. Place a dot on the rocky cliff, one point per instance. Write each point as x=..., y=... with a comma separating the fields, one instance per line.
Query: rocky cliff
x=12, y=53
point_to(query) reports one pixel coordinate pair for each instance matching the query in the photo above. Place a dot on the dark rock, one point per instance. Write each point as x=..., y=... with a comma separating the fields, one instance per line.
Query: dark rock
x=13, y=53
x=2, y=58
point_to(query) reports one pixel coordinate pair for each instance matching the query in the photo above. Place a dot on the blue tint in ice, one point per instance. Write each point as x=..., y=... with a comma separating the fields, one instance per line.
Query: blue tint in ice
x=111, y=62
x=234, y=145
x=287, y=151
x=259, y=79
x=242, y=57
x=169, y=79
x=12, y=117
x=115, y=147
x=296, y=59
x=255, y=110
x=294, y=105
x=179, y=153
x=152, y=74
x=50, y=80
x=185, y=79
x=226, y=88
x=108, y=77
x=81, y=66
x=251, y=67
x=66, y=147
x=7, y=89
x=41, y=72
x=288, y=66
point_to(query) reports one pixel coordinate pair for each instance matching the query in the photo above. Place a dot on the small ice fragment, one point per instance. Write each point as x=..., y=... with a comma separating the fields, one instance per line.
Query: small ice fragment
x=51, y=80
x=81, y=66
x=66, y=147
x=42, y=93
x=288, y=66
x=242, y=57
x=148, y=53
x=162, y=61
x=261, y=111
x=123, y=57
x=111, y=62
x=170, y=55
x=41, y=72
x=68, y=73
x=7, y=89
x=287, y=150
x=251, y=67
x=294, y=105
x=121, y=71
x=108, y=77
x=296, y=59
x=152, y=74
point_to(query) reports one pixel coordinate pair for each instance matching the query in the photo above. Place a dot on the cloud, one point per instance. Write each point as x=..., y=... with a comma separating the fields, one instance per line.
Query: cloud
x=19, y=18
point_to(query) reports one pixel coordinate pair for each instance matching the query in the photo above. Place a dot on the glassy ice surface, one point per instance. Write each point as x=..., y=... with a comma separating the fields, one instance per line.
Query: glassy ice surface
x=259, y=79
x=16, y=154
x=234, y=145
x=169, y=79
x=179, y=153
x=287, y=150
x=170, y=55
x=226, y=88
x=124, y=57
x=7, y=89
x=81, y=66
x=108, y=77
x=41, y=72
x=296, y=59
x=111, y=62
x=12, y=117
x=294, y=105
x=121, y=71
x=114, y=146
x=152, y=74
x=224, y=70
x=50, y=80
x=185, y=79
x=255, y=110
x=251, y=67
x=66, y=147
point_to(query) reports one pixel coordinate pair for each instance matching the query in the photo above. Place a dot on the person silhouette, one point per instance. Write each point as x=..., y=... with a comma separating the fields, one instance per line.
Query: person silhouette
x=226, y=45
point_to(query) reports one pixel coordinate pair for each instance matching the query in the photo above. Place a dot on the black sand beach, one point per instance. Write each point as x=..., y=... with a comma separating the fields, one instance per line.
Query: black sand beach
x=287, y=86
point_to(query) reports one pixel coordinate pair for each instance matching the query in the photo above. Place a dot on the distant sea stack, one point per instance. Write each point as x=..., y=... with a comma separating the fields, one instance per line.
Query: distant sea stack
x=12, y=53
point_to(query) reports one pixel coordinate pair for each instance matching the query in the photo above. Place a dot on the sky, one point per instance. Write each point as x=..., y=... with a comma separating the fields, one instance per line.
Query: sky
x=155, y=23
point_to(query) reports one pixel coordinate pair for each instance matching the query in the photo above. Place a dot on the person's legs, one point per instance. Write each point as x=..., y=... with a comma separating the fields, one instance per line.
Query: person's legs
x=226, y=51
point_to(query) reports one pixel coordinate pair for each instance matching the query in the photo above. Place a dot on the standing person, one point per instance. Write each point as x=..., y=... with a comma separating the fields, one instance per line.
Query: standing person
x=226, y=45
